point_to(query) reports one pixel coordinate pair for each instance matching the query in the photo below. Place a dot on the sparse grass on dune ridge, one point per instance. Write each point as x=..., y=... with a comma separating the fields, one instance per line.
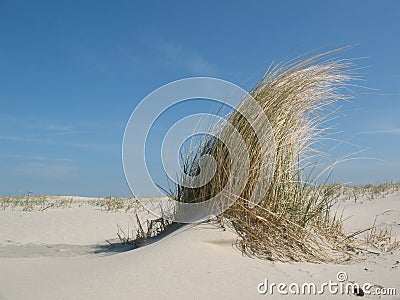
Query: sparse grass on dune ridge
x=369, y=191
x=292, y=221
x=43, y=203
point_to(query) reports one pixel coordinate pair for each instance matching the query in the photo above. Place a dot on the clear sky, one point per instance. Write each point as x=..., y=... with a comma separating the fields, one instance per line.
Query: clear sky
x=71, y=72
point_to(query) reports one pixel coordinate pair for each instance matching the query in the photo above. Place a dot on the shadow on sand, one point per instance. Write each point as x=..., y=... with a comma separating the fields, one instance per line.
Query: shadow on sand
x=12, y=249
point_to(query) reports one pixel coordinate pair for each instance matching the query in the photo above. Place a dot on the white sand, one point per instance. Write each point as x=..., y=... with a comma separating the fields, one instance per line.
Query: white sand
x=53, y=255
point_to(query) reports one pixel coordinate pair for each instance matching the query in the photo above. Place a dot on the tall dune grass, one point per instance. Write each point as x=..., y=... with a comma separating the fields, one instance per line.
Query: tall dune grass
x=292, y=221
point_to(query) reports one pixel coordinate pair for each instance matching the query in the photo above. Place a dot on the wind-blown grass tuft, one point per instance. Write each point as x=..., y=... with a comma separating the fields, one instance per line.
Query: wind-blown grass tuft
x=292, y=221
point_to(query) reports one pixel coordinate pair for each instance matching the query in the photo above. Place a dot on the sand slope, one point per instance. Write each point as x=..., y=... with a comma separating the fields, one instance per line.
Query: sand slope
x=62, y=254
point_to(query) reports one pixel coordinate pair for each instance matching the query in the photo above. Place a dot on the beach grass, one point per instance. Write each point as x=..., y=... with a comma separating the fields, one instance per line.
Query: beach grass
x=292, y=220
x=45, y=202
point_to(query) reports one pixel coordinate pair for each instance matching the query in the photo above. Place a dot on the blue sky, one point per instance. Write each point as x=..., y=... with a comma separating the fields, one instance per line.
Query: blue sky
x=71, y=72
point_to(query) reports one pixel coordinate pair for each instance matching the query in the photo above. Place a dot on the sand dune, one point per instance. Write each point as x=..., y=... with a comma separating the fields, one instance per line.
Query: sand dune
x=62, y=253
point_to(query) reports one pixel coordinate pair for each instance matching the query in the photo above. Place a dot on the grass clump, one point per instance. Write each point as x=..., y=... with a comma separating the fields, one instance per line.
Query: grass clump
x=365, y=191
x=292, y=220
x=43, y=203
x=381, y=239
